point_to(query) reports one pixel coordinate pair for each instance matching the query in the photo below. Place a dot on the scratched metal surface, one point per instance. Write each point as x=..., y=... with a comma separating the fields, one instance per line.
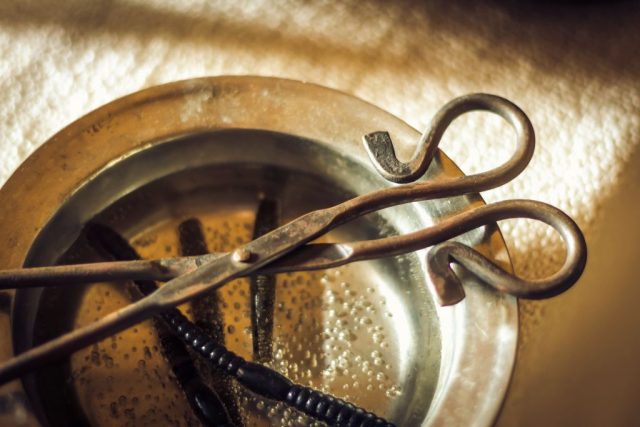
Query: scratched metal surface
x=478, y=333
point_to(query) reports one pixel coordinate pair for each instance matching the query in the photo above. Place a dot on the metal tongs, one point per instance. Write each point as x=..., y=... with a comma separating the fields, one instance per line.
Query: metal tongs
x=288, y=249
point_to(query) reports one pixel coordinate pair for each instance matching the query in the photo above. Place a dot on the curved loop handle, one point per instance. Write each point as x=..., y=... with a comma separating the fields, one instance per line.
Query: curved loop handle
x=380, y=147
x=448, y=287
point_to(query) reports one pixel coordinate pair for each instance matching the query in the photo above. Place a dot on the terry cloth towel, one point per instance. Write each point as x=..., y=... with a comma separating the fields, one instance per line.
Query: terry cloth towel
x=574, y=68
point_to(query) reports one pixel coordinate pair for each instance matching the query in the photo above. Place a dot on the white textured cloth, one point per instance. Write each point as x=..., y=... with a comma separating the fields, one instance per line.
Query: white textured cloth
x=574, y=69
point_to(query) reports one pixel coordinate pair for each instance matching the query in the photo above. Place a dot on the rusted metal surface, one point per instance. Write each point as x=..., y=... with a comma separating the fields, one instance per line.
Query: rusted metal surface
x=258, y=253
x=117, y=135
x=204, y=401
x=320, y=256
x=208, y=313
x=161, y=270
x=263, y=288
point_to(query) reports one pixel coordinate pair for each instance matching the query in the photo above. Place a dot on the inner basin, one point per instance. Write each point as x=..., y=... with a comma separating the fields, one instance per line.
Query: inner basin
x=366, y=332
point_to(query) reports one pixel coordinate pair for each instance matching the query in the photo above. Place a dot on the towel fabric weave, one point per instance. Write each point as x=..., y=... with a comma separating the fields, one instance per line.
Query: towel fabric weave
x=574, y=68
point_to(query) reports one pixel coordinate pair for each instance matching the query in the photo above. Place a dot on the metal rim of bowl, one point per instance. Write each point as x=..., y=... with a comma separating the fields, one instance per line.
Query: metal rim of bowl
x=479, y=335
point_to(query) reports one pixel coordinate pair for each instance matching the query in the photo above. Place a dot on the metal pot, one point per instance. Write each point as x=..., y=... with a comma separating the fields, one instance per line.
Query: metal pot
x=209, y=148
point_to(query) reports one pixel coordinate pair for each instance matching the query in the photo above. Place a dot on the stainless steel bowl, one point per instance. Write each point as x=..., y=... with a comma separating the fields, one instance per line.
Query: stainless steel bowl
x=207, y=148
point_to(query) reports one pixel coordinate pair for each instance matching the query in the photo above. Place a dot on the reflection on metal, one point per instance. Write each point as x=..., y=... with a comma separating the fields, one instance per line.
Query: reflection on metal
x=208, y=311
x=313, y=115
x=276, y=244
x=320, y=256
x=263, y=288
x=380, y=148
x=382, y=154
x=204, y=401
